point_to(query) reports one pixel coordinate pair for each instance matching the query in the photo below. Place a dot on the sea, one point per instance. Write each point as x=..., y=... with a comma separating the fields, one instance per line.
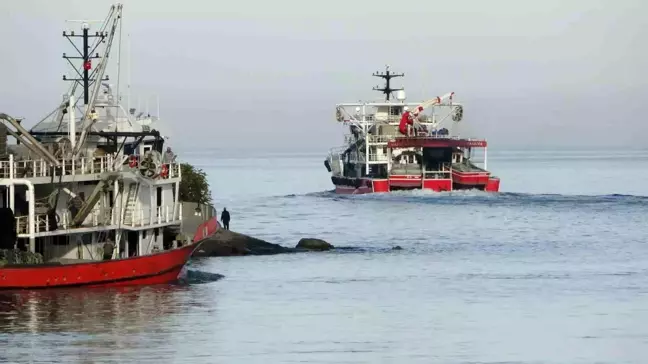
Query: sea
x=553, y=269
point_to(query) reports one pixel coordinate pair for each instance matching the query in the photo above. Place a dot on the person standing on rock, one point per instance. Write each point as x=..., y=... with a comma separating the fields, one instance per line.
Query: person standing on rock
x=225, y=218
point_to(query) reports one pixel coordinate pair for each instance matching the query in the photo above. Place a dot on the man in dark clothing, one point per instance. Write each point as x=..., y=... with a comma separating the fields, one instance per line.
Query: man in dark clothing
x=225, y=218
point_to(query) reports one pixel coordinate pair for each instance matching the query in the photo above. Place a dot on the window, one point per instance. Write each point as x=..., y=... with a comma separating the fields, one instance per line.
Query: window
x=395, y=111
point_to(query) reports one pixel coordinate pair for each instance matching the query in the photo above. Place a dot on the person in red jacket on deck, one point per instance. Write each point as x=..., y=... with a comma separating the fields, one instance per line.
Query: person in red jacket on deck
x=406, y=119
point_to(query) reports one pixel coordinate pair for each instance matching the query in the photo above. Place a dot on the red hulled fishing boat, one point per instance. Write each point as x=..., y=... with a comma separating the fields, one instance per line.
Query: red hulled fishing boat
x=89, y=189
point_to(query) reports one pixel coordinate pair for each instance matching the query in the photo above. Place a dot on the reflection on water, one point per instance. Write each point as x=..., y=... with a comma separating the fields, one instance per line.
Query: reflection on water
x=79, y=325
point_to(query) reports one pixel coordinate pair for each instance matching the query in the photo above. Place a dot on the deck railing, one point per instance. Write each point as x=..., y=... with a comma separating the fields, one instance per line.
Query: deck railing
x=378, y=158
x=44, y=223
x=159, y=215
x=444, y=172
x=34, y=168
x=380, y=138
x=101, y=217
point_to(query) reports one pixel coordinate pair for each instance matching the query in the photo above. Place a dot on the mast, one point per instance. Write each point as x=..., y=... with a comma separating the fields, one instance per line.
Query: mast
x=85, y=54
x=112, y=21
x=387, y=75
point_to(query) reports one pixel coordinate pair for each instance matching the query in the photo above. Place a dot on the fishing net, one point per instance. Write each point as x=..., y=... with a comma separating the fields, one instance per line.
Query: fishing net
x=15, y=256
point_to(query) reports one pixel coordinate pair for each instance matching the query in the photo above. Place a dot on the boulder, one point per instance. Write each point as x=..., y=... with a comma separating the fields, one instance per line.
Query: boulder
x=228, y=243
x=314, y=244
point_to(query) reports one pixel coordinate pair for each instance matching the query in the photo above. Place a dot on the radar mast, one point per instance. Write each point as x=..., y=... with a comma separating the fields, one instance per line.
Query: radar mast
x=387, y=75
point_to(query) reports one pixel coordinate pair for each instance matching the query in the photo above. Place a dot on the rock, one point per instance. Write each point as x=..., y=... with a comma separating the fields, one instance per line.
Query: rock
x=314, y=244
x=397, y=247
x=15, y=256
x=228, y=243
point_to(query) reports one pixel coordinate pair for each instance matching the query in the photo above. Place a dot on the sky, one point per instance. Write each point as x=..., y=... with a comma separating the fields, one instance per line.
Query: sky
x=266, y=75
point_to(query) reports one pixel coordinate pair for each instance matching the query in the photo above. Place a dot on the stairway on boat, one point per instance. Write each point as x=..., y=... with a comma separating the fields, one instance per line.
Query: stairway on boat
x=131, y=204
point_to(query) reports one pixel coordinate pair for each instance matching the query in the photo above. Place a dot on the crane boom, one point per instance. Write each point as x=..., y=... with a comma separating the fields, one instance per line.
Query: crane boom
x=408, y=117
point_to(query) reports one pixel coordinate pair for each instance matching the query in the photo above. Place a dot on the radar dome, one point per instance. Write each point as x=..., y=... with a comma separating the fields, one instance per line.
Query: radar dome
x=400, y=95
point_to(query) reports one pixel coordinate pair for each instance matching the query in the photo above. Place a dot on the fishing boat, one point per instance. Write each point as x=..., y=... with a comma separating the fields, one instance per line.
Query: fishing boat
x=89, y=188
x=398, y=145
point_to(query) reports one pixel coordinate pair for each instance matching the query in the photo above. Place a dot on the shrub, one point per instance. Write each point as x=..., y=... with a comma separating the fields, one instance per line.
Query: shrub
x=194, y=186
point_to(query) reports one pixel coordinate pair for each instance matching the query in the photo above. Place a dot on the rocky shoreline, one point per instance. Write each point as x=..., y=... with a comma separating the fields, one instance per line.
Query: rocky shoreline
x=226, y=243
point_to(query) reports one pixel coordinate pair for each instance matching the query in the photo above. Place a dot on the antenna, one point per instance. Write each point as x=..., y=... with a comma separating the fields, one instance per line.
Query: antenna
x=387, y=75
x=128, y=87
x=85, y=54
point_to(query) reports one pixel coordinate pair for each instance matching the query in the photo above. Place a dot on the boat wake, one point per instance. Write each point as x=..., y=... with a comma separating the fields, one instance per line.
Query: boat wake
x=480, y=197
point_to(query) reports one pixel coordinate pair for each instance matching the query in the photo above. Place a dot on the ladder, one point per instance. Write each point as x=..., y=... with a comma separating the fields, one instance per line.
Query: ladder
x=131, y=203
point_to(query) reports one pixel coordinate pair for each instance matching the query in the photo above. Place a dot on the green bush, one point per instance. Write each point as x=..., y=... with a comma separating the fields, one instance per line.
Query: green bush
x=194, y=186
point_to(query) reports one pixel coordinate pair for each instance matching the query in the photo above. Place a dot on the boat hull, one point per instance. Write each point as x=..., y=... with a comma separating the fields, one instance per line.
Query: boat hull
x=158, y=268
x=355, y=186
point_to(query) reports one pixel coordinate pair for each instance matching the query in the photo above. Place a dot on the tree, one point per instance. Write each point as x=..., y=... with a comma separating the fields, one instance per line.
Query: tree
x=194, y=186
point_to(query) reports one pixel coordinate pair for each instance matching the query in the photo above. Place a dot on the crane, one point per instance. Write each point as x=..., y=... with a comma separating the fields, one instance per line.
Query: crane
x=409, y=117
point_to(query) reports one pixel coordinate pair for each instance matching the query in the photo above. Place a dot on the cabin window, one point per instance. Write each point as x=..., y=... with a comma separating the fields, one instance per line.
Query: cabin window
x=146, y=149
x=111, y=198
x=156, y=231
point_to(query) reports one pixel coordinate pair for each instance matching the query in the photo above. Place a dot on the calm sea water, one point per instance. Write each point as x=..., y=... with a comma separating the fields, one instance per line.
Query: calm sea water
x=552, y=270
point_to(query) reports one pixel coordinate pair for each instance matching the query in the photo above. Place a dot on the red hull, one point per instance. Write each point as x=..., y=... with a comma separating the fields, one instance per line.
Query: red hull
x=488, y=184
x=470, y=178
x=157, y=268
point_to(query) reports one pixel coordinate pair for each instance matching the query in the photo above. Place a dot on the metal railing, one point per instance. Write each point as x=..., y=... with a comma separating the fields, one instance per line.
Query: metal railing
x=98, y=217
x=102, y=217
x=158, y=215
x=35, y=168
x=378, y=158
x=444, y=172
x=381, y=139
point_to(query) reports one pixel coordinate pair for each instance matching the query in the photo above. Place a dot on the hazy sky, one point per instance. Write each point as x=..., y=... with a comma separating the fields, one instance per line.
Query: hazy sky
x=267, y=74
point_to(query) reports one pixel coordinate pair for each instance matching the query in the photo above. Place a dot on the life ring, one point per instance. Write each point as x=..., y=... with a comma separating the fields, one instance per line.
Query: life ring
x=132, y=161
x=165, y=171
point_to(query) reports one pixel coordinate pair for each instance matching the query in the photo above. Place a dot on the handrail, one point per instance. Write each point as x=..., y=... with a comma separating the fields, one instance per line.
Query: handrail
x=378, y=158
x=380, y=138
x=98, y=217
x=34, y=168
x=159, y=215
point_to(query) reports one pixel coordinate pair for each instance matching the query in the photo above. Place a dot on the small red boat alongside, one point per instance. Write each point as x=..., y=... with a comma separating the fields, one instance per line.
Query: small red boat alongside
x=395, y=145
x=90, y=190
